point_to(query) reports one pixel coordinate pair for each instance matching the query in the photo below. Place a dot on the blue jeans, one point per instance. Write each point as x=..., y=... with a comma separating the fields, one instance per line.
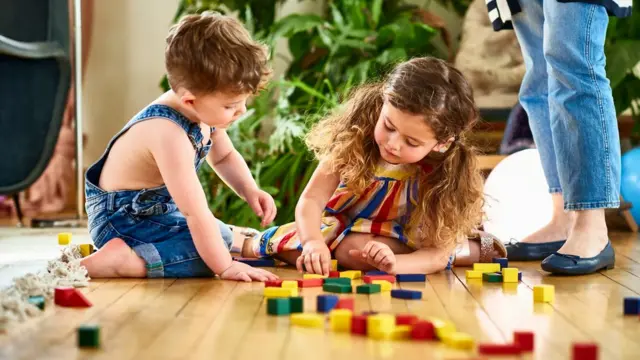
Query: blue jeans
x=568, y=99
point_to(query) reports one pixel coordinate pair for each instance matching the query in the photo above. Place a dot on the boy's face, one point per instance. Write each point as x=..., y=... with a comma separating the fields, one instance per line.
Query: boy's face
x=220, y=109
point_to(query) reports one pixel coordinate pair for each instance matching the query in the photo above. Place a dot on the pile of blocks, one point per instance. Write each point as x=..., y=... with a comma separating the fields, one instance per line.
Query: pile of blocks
x=496, y=271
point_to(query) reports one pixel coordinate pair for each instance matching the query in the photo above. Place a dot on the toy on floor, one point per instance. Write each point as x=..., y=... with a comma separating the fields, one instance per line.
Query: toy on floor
x=368, y=289
x=486, y=267
x=406, y=294
x=351, y=274
x=525, y=340
x=279, y=292
x=70, y=297
x=340, y=320
x=384, y=285
x=368, y=279
x=345, y=303
x=86, y=249
x=504, y=262
x=585, y=351
x=89, y=336
x=64, y=238
x=308, y=320
x=411, y=277
x=337, y=288
x=257, y=262
x=631, y=306
x=498, y=349
x=309, y=283
x=37, y=301
x=543, y=293
x=278, y=306
x=326, y=303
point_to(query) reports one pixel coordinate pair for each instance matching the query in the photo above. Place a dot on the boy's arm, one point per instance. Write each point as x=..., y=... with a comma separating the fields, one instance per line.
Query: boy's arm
x=230, y=165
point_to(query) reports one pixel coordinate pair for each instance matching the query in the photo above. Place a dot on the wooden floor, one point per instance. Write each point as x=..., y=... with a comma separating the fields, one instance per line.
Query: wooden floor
x=212, y=319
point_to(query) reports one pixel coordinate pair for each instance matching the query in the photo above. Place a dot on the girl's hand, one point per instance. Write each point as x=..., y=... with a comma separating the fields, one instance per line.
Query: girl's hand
x=315, y=257
x=377, y=255
x=242, y=272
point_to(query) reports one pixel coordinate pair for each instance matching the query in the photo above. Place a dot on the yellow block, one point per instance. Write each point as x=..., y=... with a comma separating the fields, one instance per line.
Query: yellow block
x=486, y=267
x=384, y=285
x=543, y=293
x=274, y=292
x=334, y=265
x=307, y=320
x=380, y=326
x=459, y=340
x=351, y=274
x=443, y=328
x=86, y=249
x=401, y=332
x=473, y=274
x=64, y=238
x=313, y=276
x=510, y=275
x=340, y=320
x=288, y=284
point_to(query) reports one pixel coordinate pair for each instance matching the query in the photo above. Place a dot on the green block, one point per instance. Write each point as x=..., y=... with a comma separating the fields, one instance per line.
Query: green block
x=337, y=288
x=296, y=304
x=492, y=277
x=89, y=336
x=37, y=301
x=278, y=306
x=368, y=289
x=342, y=281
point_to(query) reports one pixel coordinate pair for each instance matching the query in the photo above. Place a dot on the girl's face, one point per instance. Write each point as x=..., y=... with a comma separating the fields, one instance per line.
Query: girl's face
x=404, y=138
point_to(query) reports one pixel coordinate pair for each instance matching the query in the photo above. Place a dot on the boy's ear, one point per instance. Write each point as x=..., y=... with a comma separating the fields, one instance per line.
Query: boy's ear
x=187, y=97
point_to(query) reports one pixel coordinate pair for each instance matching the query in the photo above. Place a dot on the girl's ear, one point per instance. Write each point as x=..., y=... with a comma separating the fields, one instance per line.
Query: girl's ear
x=443, y=147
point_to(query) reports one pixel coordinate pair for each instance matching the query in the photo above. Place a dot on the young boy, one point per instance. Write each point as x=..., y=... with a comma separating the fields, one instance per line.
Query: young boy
x=147, y=211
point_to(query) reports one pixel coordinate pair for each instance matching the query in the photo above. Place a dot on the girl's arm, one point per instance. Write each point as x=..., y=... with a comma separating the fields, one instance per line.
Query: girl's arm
x=422, y=261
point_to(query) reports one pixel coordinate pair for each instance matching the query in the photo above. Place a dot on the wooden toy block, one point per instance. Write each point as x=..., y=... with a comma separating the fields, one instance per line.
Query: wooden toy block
x=307, y=320
x=70, y=297
x=459, y=341
x=334, y=265
x=340, y=320
x=359, y=324
x=64, y=238
x=274, y=292
x=257, y=262
x=510, y=275
x=86, y=249
x=585, y=351
x=308, y=283
x=296, y=304
x=337, y=288
x=631, y=306
x=380, y=326
x=273, y=283
x=368, y=289
x=290, y=284
x=492, y=277
x=473, y=274
x=37, y=301
x=486, y=267
x=406, y=319
x=411, y=277
x=384, y=285
x=401, y=332
x=442, y=328
x=313, y=276
x=89, y=336
x=504, y=262
x=368, y=279
x=351, y=274
x=406, y=294
x=278, y=306
x=325, y=303
x=498, y=349
x=376, y=272
x=524, y=340
x=543, y=293
x=333, y=274
x=343, y=281
x=345, y=303
x=423, y=330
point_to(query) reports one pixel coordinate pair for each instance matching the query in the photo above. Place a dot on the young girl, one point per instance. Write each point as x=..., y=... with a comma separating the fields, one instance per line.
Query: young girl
x=397, y=182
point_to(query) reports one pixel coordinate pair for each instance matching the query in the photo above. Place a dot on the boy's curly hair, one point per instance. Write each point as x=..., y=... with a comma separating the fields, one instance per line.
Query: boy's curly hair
x=211, y=52
x=450, y=198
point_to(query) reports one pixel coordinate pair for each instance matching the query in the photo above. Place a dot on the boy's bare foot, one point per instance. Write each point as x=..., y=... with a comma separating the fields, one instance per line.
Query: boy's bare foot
x=115, y=259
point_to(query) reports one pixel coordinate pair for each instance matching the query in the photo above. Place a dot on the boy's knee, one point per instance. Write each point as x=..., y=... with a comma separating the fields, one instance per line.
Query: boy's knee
x=227, y=234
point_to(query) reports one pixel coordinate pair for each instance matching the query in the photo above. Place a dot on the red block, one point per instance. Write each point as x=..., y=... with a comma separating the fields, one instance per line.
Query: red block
x=307, y=283
x=524, y=340
x=585, y=351
x=423, y=330
x=345, y=303
x=334, y=274
x=406, y=319
x=273, y=283
x=359, y=324
x=498, y=349
x=369, y=278
x=62, y=294
x=70, y=297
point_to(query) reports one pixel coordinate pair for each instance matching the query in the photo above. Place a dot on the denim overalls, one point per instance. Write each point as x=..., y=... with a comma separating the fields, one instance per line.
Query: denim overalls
x=148, y=220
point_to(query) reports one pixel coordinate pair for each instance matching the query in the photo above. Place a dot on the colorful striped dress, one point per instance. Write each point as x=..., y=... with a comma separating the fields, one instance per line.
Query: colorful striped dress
x=381, y=209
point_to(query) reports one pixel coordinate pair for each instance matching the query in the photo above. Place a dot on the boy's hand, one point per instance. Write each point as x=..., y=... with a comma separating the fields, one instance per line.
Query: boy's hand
x=262, y=205
x=242, y=272
x=377, y=255
x=315, y=257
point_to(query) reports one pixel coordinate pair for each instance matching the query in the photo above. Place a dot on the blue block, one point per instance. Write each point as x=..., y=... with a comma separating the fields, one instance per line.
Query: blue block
x=406, y=294
x=376, y=272
x=325, y=303
x=504, y=262
x=411, y=277
x=257, y=262
x=631, y=306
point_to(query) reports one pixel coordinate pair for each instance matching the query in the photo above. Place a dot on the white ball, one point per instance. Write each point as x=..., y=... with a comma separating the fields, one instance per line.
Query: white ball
x=517, y=199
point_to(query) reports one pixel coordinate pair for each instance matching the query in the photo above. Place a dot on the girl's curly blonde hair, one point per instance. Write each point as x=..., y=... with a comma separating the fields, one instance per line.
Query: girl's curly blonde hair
x=450, y=198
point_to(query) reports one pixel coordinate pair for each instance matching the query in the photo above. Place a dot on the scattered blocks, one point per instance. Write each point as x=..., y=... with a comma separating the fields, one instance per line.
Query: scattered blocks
x=543, y=293
x=339, y=280
x=376, y=272
x=334, y=274
x=337, y=288
x=307, y=320
x=380, y=326
x=257, y=262
x=273, y=283
x=423, y=330
x=278, y=306
x=510, y=275
x=345, y=303
x=406, y=294
x=492, y=277
x=274, y=292
x=334, y=265
x=585, y=351
x=384, y=285
x=340, y=320
x=351, y=274
x=308, y=283
x=498, y=349
x=359, y=324
x=411, y=277
x=37, y=301
x=313, y=276
x=524, y=340
x=368, y=289
x=70, y=297
x=406, y=319
x=325, y=303
x=631, y=306
x=473, y=274
x=368, y=279
x=401, y=332
x=289, y=284
x=89, y=336
x=486, y=267
x=296, y=304
x=64, y=238
x=459, y=341
x=443, y=328
x=504, y=262
x=86, y=249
